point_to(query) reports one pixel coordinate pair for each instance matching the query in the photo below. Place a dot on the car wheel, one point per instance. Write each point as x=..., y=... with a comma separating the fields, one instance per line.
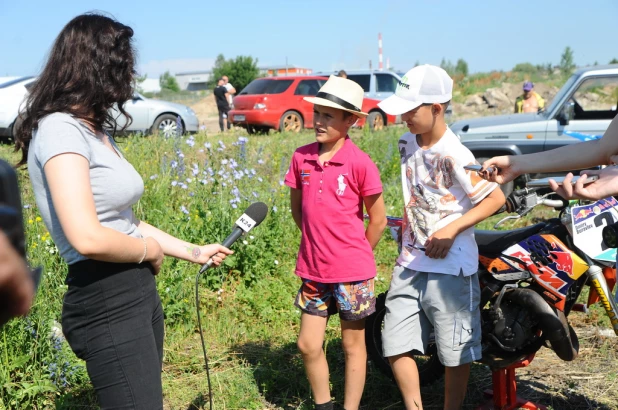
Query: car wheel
x=506, y=188
x=375, y=120
x=167, y=126
x=291, y=121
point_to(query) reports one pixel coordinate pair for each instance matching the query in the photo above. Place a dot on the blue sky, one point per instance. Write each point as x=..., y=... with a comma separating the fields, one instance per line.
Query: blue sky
x=325, y=35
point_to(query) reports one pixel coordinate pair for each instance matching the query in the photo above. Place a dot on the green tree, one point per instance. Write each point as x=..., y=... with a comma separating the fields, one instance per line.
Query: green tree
x=614, y=61
x=567, y=64
x=447, y=66
x=461, y=67
x=168, y=82
x=240, y=71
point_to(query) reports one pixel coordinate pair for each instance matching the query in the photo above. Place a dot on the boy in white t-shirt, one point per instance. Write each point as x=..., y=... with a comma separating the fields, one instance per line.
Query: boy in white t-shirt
x=434, y=283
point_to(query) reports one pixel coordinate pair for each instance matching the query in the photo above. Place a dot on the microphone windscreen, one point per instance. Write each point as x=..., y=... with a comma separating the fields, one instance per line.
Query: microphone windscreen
x=257, y=211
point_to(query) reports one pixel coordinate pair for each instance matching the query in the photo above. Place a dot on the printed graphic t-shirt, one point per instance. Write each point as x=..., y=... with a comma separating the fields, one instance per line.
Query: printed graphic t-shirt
x=437, y=190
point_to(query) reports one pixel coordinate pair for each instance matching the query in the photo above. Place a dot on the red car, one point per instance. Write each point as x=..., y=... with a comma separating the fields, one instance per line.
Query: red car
x=277, y=102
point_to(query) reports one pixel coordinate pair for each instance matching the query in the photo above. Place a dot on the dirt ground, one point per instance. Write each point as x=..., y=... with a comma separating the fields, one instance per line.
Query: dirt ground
x=206, y=111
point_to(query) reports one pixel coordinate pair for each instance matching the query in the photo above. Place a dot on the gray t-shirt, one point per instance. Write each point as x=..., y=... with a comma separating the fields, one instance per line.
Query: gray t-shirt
x=115, y=184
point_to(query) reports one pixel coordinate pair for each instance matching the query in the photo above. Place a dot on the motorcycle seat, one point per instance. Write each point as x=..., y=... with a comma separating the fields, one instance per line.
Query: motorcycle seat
x=494, y=242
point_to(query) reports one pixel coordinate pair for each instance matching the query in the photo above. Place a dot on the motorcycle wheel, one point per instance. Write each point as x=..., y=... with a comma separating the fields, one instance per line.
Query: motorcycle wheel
x=429, y=367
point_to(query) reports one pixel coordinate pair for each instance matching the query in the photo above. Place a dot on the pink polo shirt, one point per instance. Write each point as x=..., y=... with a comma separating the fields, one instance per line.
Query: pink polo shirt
x=333, y=247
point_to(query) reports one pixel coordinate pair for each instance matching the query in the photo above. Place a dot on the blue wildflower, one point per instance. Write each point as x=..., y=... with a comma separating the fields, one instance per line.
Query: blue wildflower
x=154, y=176
x=174, y=183
x=178, y=126
x=184, y=210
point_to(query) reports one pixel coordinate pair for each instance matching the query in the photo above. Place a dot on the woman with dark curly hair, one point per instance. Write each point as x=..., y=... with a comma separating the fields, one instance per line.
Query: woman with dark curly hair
x=84, y=188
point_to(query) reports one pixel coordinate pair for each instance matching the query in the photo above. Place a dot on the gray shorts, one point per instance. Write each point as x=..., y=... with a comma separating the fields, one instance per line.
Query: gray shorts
x=420, y=303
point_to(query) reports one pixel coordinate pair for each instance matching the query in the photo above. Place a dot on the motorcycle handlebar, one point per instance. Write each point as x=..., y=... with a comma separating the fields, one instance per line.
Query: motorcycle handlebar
x=522, y=200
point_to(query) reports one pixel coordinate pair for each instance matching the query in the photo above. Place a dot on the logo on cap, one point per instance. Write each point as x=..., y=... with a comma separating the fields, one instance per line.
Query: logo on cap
x=403, y=84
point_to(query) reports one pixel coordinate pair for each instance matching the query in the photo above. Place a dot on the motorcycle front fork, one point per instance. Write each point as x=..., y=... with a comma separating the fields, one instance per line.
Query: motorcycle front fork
x=605, y=294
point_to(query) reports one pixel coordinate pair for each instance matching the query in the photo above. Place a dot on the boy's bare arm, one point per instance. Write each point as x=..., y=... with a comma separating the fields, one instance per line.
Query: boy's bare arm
x=377, y=218
x=296, y=205
x=438, y=245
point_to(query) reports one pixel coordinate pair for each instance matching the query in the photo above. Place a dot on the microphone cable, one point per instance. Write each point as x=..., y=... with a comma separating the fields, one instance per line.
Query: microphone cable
x=199, y=323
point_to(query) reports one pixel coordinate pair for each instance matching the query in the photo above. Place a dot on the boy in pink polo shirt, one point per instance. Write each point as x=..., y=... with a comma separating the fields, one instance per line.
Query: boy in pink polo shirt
x=330, y=180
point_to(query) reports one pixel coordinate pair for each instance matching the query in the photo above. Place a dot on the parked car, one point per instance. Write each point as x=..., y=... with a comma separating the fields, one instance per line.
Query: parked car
x=582, y=110
x=380, y=85
x=149, y=115
x=277, y=103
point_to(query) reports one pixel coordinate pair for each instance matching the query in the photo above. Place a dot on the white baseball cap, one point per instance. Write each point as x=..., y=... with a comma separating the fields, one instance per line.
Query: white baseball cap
x=424, y=84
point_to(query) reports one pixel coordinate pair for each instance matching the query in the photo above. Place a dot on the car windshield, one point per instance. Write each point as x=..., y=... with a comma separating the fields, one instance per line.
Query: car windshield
x=558, y=98
x=266, y=86
x=13, y=82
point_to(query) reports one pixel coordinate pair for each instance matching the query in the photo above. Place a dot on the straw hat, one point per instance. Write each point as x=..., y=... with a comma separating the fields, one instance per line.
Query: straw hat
x=342, y=94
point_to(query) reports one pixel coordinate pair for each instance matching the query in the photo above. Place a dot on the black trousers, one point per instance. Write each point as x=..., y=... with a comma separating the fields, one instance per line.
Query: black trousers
x=113, y=319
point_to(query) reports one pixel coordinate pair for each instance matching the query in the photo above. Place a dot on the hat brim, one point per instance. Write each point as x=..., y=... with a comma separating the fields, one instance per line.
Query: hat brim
x=395, y=105
x=328, y=103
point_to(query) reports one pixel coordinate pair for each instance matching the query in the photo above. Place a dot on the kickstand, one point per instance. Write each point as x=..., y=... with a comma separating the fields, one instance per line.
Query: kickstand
x=503, y=396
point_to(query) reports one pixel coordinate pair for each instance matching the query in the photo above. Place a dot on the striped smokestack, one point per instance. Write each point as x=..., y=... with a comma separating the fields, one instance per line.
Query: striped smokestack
x=381, y=64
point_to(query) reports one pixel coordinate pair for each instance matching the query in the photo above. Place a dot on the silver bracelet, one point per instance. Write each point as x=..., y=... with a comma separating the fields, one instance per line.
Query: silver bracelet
x=145, y=251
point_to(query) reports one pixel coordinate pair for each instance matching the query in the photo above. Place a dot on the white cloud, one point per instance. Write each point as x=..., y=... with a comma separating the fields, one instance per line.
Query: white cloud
x=154, y=68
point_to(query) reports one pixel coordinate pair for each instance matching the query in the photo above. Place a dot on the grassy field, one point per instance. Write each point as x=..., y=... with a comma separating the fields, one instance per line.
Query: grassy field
x=195, y=188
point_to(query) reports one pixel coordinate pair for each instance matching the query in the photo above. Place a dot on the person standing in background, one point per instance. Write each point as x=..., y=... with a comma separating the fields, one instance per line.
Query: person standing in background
x=223, y=105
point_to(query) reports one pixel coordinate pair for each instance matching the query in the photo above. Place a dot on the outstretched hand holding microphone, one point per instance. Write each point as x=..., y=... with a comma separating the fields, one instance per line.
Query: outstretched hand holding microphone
x=253, y=216
x=603, y=151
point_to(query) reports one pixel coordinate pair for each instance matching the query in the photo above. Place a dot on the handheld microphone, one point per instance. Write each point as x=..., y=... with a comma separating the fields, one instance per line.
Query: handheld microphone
x=253, y=216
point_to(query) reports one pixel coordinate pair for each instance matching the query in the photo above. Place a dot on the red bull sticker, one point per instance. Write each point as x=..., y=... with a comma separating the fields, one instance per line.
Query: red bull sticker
x=588, y=223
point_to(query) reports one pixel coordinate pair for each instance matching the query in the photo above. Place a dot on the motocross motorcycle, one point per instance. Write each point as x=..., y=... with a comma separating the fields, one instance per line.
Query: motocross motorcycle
x=530, y=280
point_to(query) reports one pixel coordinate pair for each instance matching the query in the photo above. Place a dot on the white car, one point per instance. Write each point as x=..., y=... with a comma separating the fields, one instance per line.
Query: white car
x=150, y=116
